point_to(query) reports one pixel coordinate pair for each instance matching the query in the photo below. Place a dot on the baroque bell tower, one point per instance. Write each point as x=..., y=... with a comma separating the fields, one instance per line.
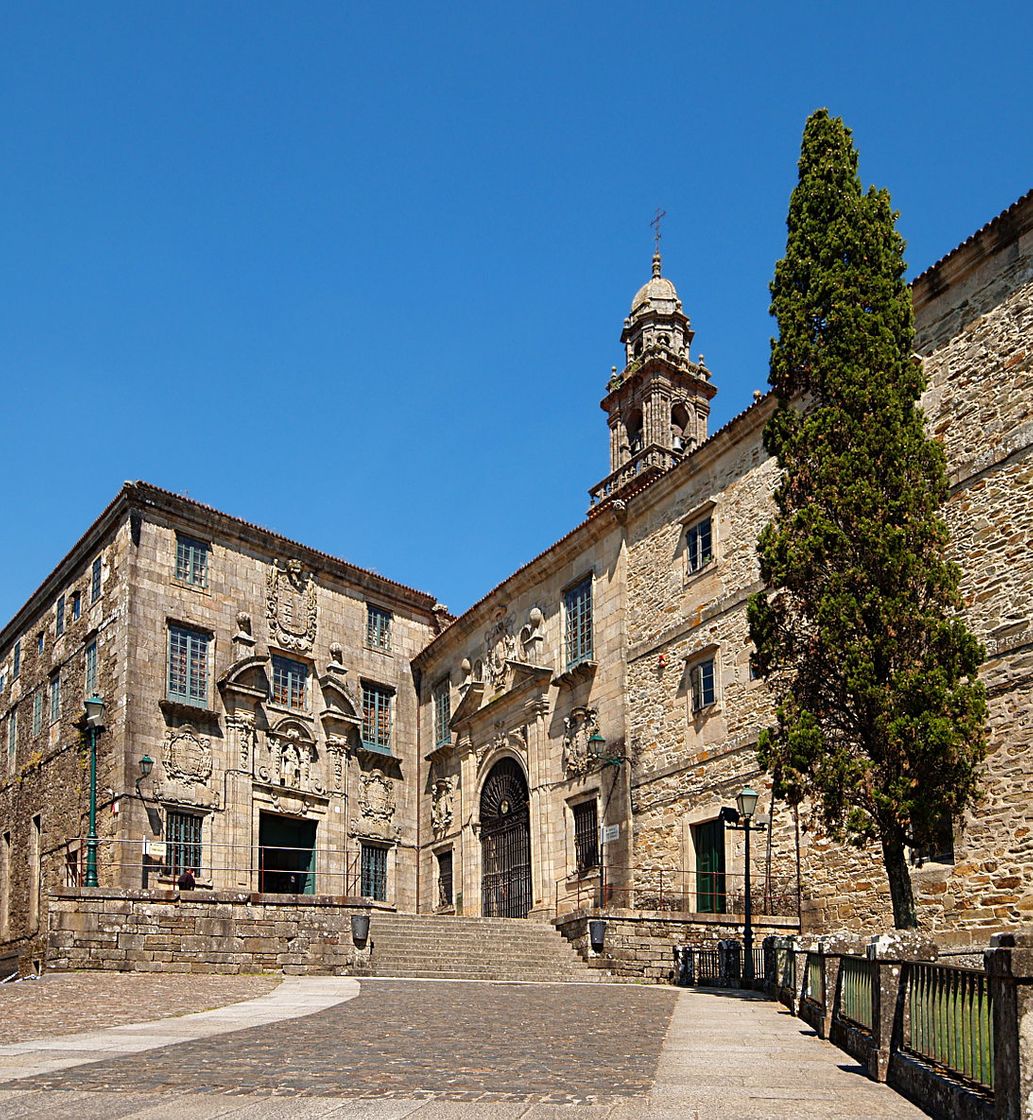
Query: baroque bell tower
x=659, y=404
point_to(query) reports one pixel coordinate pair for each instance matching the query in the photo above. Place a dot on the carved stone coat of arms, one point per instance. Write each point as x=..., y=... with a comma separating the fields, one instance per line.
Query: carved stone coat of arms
x=291, y=597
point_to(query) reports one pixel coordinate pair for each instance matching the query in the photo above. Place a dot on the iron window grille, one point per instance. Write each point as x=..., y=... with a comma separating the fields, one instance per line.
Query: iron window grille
x=445, y=896
x=376, y=717
x=37, y=712
x=76, y=605
x=55, y=698
x=191, y=561
x=586, y=836
x=374, y=873
x=182, y=842
x=290, y=684
x=95, y=581
x=59, y=622
x=90, y=671
x=378, y=628
x=17, y=666
x=701, y=678
x=699, y=545
x=578, y=609
x=442, y=715
x=188, y=666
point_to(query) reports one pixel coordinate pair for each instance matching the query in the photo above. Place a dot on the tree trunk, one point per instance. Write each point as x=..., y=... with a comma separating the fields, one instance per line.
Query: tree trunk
x=895, y=859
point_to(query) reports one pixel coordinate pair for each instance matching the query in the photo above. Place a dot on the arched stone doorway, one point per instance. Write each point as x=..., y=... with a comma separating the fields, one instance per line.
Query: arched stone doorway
x=505, y=843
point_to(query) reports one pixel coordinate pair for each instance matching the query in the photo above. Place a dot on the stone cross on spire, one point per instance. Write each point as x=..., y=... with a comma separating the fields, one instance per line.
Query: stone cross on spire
x=655, y=223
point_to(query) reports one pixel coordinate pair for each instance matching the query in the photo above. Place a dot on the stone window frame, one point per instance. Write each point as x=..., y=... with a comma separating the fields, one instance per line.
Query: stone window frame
x=383, y=874
x=694, y=666
x=17, y=660
x=441, y=702
x=37, y=712
x=76, y=605
x=96, y=579
x=373, y=734
x=579, y=802
x=192, y=630
x=192, y=564
x=574, y=657
x=174, y=868
x=90, y=674
x=379, y=626
x=281, y=663
x=59, y=616
x=706, y=813
x=55, y=697
x=41, y=643
x=706, y=512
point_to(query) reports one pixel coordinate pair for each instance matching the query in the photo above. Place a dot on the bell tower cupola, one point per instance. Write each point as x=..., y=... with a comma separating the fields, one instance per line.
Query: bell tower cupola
x=659, y=403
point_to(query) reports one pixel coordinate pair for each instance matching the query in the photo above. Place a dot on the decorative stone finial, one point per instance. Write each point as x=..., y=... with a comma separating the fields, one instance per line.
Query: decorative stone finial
x=656, y=264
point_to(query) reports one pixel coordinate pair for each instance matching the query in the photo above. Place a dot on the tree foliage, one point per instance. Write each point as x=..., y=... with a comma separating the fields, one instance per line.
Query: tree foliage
x=880, y=718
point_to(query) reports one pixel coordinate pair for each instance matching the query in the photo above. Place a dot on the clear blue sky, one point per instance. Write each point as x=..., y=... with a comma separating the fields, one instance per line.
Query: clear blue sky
x=358, y=272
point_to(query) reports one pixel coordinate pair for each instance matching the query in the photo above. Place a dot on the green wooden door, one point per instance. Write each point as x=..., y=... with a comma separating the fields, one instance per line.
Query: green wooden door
x=287, y=855
x=709, y=841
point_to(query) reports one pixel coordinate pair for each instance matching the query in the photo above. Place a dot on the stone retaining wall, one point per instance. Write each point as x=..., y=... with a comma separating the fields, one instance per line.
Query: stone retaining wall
x=203, y=931
x=639, y=945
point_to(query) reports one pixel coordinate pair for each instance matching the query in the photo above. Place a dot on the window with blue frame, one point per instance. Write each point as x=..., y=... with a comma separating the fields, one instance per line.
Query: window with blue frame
x=442, y=714
x=577, y=603
x=188, y=666
x=59, y=611
x=699, y=547
x=702, y=684
x=191, y=561
x=378, y=627
x=55, y=698
x=17, y=666
x=90, y=670
x=290, y=684
x=76, y=605
x=374, y=872
x=37, y=712
x=182, y=842
x=95, y=581
x=376, y=717
x=12, y=735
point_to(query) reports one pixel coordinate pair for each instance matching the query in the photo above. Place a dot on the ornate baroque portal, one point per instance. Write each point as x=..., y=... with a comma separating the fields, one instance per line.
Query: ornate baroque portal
x=505, y=843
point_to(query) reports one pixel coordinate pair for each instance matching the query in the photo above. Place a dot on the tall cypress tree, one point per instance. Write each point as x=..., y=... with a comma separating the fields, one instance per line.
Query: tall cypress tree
x=880, y=720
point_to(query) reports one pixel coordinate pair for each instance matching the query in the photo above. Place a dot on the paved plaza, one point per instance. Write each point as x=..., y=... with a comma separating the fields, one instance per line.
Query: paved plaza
x=344, y=1049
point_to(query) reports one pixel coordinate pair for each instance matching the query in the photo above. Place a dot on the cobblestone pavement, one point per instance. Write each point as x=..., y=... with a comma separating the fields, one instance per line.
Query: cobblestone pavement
x=454, y=1051
x=65, y=1002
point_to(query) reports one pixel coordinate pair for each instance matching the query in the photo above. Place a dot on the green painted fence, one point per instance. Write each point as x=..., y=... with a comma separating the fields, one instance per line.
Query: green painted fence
x=855, y=990
x=950, y=1020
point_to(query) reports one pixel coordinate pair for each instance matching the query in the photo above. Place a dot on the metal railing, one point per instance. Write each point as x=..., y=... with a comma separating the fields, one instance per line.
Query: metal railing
x=949, y=1020
x=669, y=889
x=815, y=987
x=855, y=991
x=265, y=868
x=785, y=969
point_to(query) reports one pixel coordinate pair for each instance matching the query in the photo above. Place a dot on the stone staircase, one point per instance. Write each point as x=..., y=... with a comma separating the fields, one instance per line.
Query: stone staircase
x=451, y=948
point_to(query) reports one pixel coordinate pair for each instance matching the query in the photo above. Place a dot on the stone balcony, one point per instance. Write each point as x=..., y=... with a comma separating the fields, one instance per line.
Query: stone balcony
x=651, y=461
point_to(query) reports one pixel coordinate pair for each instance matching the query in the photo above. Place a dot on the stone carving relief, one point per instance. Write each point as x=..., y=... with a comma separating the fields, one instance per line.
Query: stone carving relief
x=499, y=646
x=579, y=726
x=291, y=605
x=377, y=805
x=532, y=637
x=247, y=737
x=291, y=761
x=516, y=740
x=336, y=748
x=187, y=756
x=442, y=806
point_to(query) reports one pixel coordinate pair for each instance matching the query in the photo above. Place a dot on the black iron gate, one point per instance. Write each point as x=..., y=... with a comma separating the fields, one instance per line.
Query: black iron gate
x=505, y=843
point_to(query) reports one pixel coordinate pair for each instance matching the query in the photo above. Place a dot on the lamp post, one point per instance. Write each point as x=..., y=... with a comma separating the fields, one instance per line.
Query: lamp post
x=94, y=725
x=747, y=805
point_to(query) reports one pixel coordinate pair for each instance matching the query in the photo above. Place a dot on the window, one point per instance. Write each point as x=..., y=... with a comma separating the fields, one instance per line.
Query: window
x=76, y=605
x=939, y=846
x=72, y=867
x=578, y=604
x=37, y=712
x=17, y=660
x=12, y=735
x=290, y=683
x=755, y=673
x=445, y=896
x=59, y=623
x=182, y=842
x=442, y=714
x=374, y=873
x=188, y=666
x=55, y=698
x=41, y=643
x=3, y=681
x=90, y=670
x=378, y=628
x=699, y=545
x=95, y=581
x=376, y=716
x=586, y=836
x=191, y=561
x=701, y=683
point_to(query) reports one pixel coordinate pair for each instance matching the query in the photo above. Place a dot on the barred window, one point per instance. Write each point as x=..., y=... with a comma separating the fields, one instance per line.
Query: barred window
x=374, y=872
x=188, y=666
x=699, y=544
x=445, y=895
x=586, y=836
x=442, y=714
x=191, y=561
x=76, y=605
x=376, y=716
x=701, y=682
x=90, y=670
x=578, y=604
x=37, y=712
x=59, y=610
x=378, y=627
x=95, y=581
x=290, y=683
x=55, y=698
x=182, y=842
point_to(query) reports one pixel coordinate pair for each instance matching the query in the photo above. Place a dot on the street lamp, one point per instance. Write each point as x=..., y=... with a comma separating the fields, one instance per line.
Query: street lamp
x=94, y=718
x=747, y=805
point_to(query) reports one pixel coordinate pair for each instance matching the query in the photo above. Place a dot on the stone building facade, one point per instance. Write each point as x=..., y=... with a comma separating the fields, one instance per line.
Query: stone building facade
x=571, y=738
